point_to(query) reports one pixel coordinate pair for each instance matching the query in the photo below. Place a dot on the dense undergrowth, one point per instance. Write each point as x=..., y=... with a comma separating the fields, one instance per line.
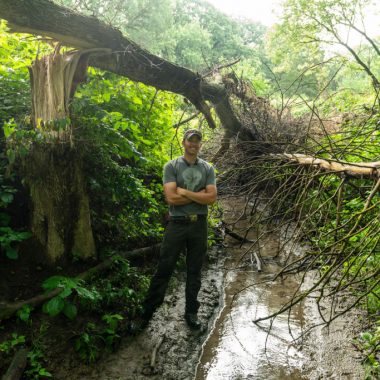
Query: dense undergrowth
x=124, y=131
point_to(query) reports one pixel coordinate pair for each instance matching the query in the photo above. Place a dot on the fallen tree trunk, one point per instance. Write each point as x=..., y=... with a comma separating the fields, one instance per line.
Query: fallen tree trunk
x=357, y=169
x=43, y=17
x=17, y=366
x=8, y=310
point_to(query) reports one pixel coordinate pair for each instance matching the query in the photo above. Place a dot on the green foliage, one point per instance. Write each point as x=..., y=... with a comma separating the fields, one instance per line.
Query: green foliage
x=8, y=236
x=122, y=289
x=8, y=346
x=61, y=303
x=214, y=221
x=98, y=337
x=191, y=33
x=314, y=58
x=349, y=231
x=15, y=56
x=88, y=344
x=24, y=313
x=126, y=129
x=36, y=366
x=7, y=239
x=111, y=337
x=369, y=343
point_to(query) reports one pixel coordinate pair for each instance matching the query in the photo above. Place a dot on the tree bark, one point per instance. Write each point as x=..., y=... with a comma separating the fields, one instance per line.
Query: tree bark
x=357, y=169
x=60, y=212
x=17, y=367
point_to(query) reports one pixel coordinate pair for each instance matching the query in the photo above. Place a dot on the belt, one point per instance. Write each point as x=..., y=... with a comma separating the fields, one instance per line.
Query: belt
x=187, y=218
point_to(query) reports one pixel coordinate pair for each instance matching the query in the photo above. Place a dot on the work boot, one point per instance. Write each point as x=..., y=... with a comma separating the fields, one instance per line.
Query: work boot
x=138, y=325
x=141, y=322
x=192, y=321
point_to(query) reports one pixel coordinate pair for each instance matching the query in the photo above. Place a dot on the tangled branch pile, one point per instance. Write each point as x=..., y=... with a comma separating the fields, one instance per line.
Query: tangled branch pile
x=332, y=206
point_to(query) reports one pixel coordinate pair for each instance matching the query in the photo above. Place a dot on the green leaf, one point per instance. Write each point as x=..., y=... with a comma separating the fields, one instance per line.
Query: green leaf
x=59, y=281
x=367, y=336
x=70, y=310
x=85, y=293
x=55, y=306
x=52, y=282
x=107, y=97
x=65, y=292
x=44, y=372
x=4, y=219
x=11, y=253
x=11, y=156
x=137, y=100
x=6, y=197
x=24, y=313
x=9, y=128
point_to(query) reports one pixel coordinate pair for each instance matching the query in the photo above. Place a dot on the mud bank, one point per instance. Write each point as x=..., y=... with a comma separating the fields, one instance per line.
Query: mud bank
x=239, y=349
x=177, y=348
x=329, y=350
x=231, y=346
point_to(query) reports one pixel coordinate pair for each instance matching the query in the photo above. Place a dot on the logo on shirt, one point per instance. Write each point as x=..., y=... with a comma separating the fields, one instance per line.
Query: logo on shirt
x=192, y=178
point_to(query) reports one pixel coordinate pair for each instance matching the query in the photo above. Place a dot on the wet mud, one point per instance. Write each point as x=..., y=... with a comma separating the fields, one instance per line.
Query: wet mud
x=231, y=346
x=293, y=345
x=167, y=348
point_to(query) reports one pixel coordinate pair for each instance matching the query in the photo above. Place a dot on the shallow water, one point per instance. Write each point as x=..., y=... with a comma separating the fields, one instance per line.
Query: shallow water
x=239, y=349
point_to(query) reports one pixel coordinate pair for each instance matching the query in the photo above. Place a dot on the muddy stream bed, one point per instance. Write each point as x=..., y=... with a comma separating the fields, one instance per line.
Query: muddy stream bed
x=231, y=346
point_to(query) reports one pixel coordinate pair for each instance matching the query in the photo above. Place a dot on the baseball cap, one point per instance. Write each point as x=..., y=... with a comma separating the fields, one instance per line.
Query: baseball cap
x=192, y=132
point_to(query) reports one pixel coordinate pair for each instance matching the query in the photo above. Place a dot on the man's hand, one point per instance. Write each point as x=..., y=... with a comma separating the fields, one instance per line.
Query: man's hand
x=173, y=197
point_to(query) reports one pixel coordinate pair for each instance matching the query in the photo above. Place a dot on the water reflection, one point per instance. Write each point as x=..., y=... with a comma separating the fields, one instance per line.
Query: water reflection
x=239, y=349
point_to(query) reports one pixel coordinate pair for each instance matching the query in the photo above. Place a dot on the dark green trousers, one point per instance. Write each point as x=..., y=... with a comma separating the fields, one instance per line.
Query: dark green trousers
x=179, y=236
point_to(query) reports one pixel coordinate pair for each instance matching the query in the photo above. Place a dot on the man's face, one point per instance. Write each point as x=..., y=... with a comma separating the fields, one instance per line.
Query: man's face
x=192, y=145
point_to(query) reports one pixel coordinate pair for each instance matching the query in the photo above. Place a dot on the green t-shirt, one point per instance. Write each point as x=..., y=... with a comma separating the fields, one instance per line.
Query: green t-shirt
x=190, y=177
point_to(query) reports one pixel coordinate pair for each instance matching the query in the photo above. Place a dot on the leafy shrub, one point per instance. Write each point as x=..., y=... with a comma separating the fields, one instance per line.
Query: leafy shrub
x=125, y=132
x=61, y=303
x=97, y=337
x=121, y=290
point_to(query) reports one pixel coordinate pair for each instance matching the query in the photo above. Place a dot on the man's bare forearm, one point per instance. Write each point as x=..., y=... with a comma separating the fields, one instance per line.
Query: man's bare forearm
x=178, y=200
x=203, y=197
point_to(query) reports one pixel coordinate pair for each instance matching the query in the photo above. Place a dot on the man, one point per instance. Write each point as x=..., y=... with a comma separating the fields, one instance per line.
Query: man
x=189, y=186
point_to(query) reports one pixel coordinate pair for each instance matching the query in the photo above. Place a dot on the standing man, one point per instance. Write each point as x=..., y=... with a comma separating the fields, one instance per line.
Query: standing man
x=189, y=186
